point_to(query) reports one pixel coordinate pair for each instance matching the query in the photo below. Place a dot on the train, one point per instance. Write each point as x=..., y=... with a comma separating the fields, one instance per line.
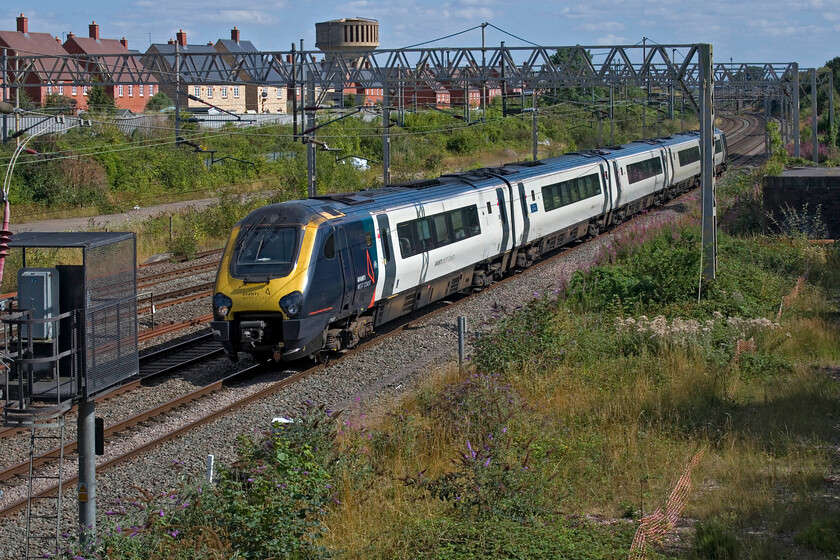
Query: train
x=313, y=277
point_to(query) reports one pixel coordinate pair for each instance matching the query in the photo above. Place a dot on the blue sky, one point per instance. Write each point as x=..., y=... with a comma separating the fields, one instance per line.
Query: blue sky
x=804, y=31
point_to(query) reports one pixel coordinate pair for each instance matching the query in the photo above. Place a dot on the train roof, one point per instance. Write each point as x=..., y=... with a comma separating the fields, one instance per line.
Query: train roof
x=447, y=186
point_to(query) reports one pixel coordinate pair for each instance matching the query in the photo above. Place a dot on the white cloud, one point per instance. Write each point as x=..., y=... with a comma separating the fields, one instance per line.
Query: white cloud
x=601, y=26
x=611, y=40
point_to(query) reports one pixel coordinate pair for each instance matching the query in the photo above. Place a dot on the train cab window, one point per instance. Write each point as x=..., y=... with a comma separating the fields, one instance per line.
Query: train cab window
x=329, y=247
x=265, y=249
x=718, y=146
x=489, y=208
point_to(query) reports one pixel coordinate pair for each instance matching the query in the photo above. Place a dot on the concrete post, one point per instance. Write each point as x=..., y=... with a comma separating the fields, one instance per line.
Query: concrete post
x=795, y=107
x=86, y=422
x=707, y=164
x=386, y=136
x=814, y=118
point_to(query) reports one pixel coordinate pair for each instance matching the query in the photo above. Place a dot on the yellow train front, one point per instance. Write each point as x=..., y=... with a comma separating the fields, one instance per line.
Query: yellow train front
x=280, y=285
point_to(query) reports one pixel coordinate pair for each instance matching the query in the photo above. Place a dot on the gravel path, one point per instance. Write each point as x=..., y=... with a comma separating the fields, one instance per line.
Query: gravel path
x=358, y=382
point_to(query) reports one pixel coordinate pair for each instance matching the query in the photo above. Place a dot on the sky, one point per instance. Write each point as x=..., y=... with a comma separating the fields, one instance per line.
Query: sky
x=747, y=31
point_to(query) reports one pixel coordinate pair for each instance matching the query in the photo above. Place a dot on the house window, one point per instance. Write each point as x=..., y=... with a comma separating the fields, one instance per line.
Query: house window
x=73, y=90
x=197, y=91
x=60, y=90
x=236, y=92
x=120, y=90
x=151, y=90
x=210, y=92
x=84, y=90
x=279, y=93
x=131, y=91
x=224, y=92
x=141, y=89
x=49, y=90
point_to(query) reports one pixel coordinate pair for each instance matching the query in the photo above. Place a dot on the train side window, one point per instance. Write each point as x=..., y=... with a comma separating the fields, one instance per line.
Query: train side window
x=424, y=234
x=407, y=234
x=471, y=219
x=329, y=247
x=459, y=230
x=442, y=233
x=489, y=208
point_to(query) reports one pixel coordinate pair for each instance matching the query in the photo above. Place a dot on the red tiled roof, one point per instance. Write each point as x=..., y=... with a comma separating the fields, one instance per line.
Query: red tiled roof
x=61, y=66
x=119, y=67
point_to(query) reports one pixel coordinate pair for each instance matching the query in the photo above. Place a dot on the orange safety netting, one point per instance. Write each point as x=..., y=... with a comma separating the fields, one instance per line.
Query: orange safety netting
x=657, y=525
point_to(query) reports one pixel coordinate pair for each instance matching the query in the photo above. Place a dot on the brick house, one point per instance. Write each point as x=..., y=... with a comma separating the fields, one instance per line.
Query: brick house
x=51, y=74
x=204, y=75
x=258, y=98
x=132, y=96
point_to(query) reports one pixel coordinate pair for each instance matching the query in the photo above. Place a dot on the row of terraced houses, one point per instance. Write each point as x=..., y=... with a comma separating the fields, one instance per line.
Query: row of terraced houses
x=236, y=98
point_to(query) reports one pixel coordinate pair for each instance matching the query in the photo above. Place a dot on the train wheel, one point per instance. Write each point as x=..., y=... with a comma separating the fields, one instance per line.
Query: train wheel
x=322, y=357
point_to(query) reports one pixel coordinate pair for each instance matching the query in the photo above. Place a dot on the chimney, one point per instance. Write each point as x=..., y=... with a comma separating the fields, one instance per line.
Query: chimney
x=123, y=42
x=23, y=24
x=58, y=39
x=70, y=34
x=170, y=42
x=181, y=37
x=234, y=35
x=93, y=30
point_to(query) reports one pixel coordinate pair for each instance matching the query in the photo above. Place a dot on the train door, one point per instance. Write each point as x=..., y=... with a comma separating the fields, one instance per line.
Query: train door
x=608, y=191
x=388, y=264
x=506, y=221
x=667, y=168
x=618, y=200
x=348, y=274
x=363, y=262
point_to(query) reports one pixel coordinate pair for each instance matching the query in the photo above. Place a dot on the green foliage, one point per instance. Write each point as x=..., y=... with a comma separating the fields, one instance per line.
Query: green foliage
x=58, y=101
x=822, y=534
x=714, y=540
x=802, y=223
x=552, y=537
x=159, y=101
x=268, y=505
x=99, y=102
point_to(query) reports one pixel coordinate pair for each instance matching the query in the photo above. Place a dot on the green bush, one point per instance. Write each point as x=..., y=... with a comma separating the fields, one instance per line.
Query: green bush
x=714, y=540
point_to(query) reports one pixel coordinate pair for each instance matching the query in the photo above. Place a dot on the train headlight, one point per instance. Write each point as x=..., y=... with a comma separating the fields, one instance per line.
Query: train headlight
x=221, y=305
x=290, y=304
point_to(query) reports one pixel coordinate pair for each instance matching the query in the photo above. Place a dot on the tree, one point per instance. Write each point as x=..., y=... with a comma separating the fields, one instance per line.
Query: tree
x=159, y=101
x=100, y=102
x=67, y=105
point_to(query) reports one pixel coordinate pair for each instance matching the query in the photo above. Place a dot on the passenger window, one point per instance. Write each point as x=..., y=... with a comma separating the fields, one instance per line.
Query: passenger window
x=442, y=236
x=458, y=229
x=329, y=247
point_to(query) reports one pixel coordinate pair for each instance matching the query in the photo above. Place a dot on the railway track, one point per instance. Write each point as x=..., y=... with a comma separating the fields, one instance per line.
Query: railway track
x=739, y=131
